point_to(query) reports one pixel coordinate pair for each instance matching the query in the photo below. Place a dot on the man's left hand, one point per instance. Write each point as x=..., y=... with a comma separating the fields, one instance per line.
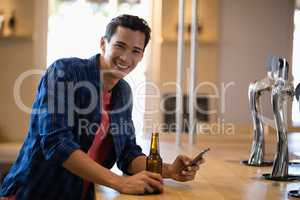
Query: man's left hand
x=181, y=170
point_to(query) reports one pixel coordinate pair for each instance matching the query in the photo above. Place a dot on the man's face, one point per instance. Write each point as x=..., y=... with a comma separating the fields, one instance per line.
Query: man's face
x=122, y=53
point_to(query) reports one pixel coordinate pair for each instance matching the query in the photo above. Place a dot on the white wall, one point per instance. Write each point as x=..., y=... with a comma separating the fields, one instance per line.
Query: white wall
x=250, y=31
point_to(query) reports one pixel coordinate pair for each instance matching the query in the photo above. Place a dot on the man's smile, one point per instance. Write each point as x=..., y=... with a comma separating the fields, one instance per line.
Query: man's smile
x=122, y=66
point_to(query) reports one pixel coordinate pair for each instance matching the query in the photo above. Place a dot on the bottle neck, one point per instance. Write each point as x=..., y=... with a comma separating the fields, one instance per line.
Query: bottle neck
x=154, y=149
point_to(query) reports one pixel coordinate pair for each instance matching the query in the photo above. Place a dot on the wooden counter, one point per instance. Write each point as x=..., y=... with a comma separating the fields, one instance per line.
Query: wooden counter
x=222, y=176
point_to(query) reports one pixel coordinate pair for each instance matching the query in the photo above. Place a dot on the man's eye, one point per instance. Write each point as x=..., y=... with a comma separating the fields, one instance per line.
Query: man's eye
x=136, y=52
x=119, y=46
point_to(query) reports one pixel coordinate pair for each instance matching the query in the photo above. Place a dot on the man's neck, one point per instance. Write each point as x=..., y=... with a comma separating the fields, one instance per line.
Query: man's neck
x=108, y=81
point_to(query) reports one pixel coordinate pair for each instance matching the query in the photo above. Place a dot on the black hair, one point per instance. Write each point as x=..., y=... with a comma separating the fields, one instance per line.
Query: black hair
x=132, y=22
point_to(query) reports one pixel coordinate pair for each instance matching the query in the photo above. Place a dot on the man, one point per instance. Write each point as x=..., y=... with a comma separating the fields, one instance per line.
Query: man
x=64, y=152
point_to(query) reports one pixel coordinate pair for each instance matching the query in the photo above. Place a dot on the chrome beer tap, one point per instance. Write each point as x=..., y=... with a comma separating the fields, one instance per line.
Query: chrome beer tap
x=256, y=89
x=282, y=92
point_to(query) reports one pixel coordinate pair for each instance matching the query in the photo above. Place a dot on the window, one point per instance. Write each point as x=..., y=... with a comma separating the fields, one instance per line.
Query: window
x=75, y=28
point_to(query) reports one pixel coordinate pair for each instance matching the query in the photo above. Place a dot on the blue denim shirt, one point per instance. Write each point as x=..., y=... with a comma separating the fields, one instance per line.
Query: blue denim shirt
x=65, y=117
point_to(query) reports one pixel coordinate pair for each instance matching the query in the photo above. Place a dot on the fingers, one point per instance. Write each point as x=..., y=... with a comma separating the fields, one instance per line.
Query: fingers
x=188, y=163
x=141, y=183
x=192, y=168
x=201, y=161
x=148, y=188
x=183, y=169
x=190, y=171
x=153, y=182
x=185, y=160
x=155, y=176
x=185, y=173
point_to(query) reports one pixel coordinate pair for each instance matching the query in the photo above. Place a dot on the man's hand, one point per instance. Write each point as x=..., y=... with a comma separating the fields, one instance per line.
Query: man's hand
x=180, y=169
x=141, y=183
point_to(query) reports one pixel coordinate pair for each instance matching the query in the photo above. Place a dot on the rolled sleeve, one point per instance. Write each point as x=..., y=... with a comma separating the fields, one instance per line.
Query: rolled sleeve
x=58, y=146
x=131, y=151
x=55, y=116
x=64, y=150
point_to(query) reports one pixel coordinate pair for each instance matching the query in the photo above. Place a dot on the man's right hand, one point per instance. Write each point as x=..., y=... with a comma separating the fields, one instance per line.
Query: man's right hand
x=141, y=183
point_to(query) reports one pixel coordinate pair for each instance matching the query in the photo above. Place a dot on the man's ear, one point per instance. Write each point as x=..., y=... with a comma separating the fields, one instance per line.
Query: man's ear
x=102, y=44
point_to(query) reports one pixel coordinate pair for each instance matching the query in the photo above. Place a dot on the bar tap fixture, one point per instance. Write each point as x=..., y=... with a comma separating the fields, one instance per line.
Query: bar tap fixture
x=282, y=93
x=256, y=89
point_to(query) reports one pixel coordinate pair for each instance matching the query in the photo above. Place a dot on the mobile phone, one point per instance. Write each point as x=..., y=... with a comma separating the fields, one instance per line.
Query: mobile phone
x=199, y=157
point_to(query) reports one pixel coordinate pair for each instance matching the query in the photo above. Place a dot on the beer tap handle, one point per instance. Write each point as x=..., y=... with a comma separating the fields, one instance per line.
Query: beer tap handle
x=284, y=69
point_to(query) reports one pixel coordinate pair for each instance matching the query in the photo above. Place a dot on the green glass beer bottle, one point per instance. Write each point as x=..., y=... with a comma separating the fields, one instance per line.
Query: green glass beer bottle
x=154, y=161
